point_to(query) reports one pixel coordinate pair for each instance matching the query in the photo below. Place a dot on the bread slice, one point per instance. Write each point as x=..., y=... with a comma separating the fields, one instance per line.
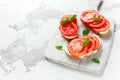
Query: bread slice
x=104, y=34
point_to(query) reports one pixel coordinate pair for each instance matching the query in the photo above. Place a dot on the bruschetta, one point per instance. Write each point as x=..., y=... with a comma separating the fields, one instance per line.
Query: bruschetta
x=96, y=22
x=83, y=47
x=68, y=26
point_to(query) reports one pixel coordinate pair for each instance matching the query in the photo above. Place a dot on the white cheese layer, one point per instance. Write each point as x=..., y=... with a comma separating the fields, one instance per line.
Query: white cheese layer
x=83, y=56
x=88, y=54
x=104, y=32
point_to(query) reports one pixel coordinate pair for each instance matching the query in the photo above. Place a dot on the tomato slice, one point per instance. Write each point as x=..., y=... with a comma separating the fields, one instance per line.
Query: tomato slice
x=77, y=50
x=68, y=16
x=75, y=47
x=70, y=29
x=95, y=43
x=88, y=15
x=92, y=47
x=98, y=24
x=103, y=28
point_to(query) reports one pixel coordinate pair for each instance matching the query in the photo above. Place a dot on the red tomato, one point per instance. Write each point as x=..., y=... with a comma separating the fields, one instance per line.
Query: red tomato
x=98, y=24
x=70, y=29
x=95, y=43
x=75, y=47
x=103, y=28
x=92, y=46
x=77, y=50
x=88, y=15
x=68, y=16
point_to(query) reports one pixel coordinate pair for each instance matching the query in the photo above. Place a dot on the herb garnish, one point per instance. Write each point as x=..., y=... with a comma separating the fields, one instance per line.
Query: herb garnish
x=58, y=47
x=65, y=20
x=85, y=31
x=96, y=19
x=68, y=19
x=72, y=17
x=96, y=60
x=85, y=42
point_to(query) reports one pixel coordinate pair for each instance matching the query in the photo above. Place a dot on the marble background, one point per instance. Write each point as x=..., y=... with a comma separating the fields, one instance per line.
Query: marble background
x=19, y=41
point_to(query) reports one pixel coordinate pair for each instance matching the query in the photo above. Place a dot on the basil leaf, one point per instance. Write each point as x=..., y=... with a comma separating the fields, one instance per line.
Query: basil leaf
x=72, y=17
x=68, y=19
x=96, y=60
x=96, y=19
x=58, y=47
x=85, y=31
x=85, y=42
x=65, y=20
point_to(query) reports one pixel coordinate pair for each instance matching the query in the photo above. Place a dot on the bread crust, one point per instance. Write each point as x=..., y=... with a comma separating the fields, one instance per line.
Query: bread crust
x=105, y=34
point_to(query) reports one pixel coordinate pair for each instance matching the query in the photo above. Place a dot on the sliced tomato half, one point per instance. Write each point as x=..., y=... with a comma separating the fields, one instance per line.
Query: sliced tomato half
x=88, y=15
x=70, y=29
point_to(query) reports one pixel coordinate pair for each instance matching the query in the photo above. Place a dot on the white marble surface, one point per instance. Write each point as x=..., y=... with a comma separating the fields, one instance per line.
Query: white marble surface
x=15, y=11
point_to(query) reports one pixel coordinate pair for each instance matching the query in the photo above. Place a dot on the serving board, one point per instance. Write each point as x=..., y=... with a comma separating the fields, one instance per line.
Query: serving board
x=87, y=65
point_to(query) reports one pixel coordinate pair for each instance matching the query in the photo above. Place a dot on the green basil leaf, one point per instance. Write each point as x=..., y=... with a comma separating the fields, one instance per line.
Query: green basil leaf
x=96, y=19
x=96, y=60
x=72, y=17
x=85, y=42
x=85, y=31
x=58, y=47
x=65, y=20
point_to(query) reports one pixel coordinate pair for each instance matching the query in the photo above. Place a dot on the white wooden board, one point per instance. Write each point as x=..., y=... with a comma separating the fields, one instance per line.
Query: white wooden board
x=60, y=57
